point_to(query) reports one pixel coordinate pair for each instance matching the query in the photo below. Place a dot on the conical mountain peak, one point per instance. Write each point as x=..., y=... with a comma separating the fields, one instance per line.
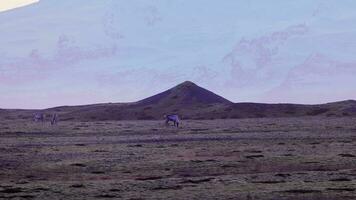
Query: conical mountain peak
x=186, y=93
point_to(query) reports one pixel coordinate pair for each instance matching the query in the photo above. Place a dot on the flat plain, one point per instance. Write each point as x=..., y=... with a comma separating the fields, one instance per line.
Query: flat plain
x=267, y=158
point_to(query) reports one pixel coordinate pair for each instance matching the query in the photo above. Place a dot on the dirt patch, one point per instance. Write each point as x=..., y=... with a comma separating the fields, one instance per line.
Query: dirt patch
x=107, y=196
x=347, y=155
x=174, y=187
x=254, y=156
x=302, y=191
x=340, y=179
x=149, y=178
x=11, y=190
x=197, y=181
x=78, y=165
x=268, y=182
x=341, y=189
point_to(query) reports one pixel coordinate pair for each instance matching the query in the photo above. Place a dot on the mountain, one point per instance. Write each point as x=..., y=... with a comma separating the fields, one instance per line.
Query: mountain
x=190, y=101
x=186, y=99
x=186, y=93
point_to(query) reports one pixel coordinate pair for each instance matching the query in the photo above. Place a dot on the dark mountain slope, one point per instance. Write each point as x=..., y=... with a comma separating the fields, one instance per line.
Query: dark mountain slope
x=185, y=94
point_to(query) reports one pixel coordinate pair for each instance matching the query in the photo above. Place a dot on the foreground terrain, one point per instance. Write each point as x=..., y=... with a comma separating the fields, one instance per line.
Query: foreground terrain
x=280, y=158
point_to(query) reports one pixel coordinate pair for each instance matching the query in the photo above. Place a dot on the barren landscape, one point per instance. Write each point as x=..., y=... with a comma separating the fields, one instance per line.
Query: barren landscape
x=278, y=158
x=177, y=100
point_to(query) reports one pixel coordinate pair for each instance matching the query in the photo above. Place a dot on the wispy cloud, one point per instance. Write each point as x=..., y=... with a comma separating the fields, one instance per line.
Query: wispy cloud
x=37, y=64
x=318, y=79
x=250, y=56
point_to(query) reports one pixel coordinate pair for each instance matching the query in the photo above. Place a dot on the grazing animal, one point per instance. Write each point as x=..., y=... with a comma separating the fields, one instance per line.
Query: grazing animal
x=173, y=118
x=39, y=117
x=54, y=119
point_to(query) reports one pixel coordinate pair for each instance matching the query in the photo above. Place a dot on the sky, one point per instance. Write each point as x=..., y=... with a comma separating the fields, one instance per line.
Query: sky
x=69, y=52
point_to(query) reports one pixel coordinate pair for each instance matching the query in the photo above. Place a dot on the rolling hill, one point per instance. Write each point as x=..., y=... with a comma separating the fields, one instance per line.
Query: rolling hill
x=191, y=102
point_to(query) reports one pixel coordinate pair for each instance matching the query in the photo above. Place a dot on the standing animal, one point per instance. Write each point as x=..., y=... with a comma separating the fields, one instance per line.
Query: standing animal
x=39, y=117
x=54, y=119
x=173, y=118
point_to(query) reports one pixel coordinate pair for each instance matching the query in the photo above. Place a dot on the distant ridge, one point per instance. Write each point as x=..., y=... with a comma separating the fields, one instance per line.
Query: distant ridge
x=190, y=101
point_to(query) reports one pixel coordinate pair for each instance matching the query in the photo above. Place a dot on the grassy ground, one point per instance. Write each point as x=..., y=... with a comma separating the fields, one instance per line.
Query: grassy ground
x=282, y=158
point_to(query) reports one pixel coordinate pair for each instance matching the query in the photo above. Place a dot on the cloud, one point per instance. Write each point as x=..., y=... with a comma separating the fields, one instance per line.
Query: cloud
x=70, y=53
x=318, y=79
x=251, y=56
x=37, y=65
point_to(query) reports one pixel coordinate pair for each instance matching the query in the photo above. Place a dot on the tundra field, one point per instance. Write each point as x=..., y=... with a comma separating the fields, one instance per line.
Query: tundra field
x=269, y=158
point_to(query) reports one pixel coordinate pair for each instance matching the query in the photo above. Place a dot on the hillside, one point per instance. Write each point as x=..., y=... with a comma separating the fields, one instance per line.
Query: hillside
x=186, y=93
x=190, y=101
x=186, y=99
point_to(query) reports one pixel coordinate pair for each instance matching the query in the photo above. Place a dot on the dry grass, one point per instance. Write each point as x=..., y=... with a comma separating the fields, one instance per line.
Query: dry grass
x=291, y=158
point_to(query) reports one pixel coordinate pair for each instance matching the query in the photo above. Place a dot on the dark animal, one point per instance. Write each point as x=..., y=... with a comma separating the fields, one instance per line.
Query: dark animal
x=54, y=119
x=39, y=117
